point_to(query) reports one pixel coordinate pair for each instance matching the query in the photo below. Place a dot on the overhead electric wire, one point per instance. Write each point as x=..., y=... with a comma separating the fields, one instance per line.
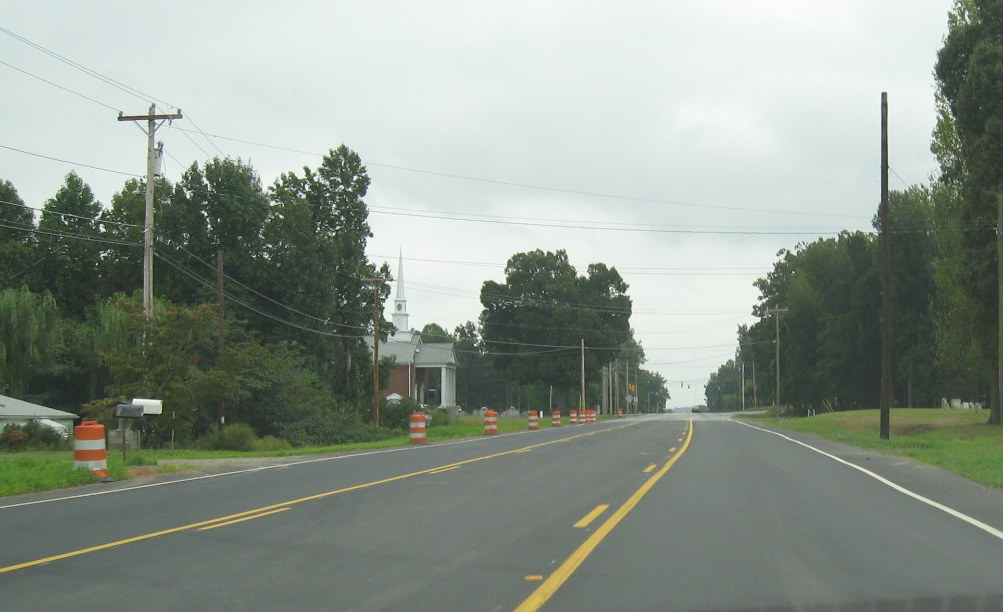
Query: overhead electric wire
x=236, y=300
x=539, y=187
x=66, y=89
x=72, y=163
x=325, y=321
x=64, y=214
x=101, y=77
x=73, y=236
x=651, y=230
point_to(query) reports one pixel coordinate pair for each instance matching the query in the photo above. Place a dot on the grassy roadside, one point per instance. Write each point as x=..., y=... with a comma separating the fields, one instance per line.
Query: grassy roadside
x=956, y=440
x=34, y=471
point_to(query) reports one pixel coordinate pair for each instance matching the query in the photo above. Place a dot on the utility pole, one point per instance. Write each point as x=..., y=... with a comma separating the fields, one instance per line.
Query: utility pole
x=886, y=281
x=151, y=128
x=220, y=336
x=996, y=412
x=743, y=386
x=776, y=320
x=377, y=284
x=582, y=405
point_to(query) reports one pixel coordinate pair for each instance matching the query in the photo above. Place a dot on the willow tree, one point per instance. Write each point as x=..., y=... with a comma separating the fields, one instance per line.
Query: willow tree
x=29, y=331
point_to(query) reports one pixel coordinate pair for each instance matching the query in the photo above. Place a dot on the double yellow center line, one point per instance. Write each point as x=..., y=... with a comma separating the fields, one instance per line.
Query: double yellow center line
x=282, y=507
x=548, y=587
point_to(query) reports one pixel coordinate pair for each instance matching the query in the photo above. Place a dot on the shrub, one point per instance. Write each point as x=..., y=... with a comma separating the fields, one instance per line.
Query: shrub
x=441, y=417
x=13, y=437
x=398, y=415
x=236, y=437
x=271, y=443
x=334, y=428
x=31, y=436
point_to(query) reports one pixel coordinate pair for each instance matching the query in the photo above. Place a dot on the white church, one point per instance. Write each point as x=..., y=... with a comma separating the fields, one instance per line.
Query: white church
x=425, y=371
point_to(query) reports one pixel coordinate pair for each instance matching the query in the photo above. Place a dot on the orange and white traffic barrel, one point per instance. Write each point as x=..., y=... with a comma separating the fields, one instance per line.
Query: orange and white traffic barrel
x=555, y=419
x=589, y=417
x=418, y=435
x=619, y=413
x=490, y=422
x=574, y=417
x=534, y=420
x=89, y=449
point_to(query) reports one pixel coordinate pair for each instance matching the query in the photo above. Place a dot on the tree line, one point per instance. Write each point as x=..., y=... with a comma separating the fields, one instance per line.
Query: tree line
x=291, y=360
x=944, y=264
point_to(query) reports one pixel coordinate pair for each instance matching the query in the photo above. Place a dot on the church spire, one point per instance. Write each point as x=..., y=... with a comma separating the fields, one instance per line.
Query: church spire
x=400, y=302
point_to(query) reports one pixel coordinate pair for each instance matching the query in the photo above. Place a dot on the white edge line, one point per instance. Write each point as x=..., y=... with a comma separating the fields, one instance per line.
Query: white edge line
x=996, y=533
x=260, y=468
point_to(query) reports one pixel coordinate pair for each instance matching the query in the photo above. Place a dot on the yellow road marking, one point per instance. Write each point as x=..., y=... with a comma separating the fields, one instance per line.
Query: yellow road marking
x=650, y=468
x=672, y=450
x=591, y=516
x=449, y=469
x=534, y=578
x=557, y=579
x=365, y=485
x=246, y=518
x=524, y=450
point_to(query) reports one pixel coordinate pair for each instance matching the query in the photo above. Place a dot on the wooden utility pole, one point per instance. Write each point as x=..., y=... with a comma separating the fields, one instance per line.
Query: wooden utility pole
x=582, y=405
x=776, y=320
x=377, y=283
x=886, y=281
x=220, y=331
x=743, y=384
x=151, y=128
x=996, y=411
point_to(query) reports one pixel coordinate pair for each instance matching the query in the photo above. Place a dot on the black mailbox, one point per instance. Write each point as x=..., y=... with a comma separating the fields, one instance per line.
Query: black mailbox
x=128, y=411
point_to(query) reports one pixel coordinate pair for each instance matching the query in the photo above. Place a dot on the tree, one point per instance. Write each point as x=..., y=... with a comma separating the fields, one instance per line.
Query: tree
x=433, y=332
x=29, y=334
x=912, y=247
x=534, y=322
x=315, y=248
x=70, y=240
x=829, y=333
x=723, y=389
x=220, y=207
x=969, y=74
x=16, y=238
x=121, y=267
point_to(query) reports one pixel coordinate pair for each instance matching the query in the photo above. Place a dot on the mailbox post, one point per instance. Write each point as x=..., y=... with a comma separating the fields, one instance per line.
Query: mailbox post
x=135, y=410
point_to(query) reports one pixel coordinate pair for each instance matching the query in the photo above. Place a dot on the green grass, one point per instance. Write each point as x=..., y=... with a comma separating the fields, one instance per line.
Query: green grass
x=45, y=470
x=959, y=441
x=29, y=472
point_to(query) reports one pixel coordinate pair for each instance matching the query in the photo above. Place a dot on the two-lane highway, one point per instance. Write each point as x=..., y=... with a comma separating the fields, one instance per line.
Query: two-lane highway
x=643, y=514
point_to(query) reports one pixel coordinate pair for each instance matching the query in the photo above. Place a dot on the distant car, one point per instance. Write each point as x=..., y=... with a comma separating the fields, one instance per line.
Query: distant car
x=696, y=410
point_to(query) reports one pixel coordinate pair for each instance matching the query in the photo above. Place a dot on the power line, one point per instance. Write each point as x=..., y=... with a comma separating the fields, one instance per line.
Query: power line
x=66, y=89
x=72, y=236
x=325, y=321
x=64, y=214
x=72, y=163
x=234, y=299
x=539, y=187
x=608, y=228
x=620, y=269
x=93, y=73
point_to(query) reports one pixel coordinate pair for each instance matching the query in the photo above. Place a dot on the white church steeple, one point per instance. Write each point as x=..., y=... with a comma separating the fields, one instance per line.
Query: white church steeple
x=400, y=302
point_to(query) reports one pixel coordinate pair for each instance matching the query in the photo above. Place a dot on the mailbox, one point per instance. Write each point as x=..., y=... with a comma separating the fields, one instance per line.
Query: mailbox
x=128, y=411
x=149, y=406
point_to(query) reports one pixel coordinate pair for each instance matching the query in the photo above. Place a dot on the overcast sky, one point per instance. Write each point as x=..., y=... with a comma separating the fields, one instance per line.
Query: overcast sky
x=695, y=139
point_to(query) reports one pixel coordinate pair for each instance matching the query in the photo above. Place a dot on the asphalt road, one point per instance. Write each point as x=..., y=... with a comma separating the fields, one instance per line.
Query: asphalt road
x=658, y=513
